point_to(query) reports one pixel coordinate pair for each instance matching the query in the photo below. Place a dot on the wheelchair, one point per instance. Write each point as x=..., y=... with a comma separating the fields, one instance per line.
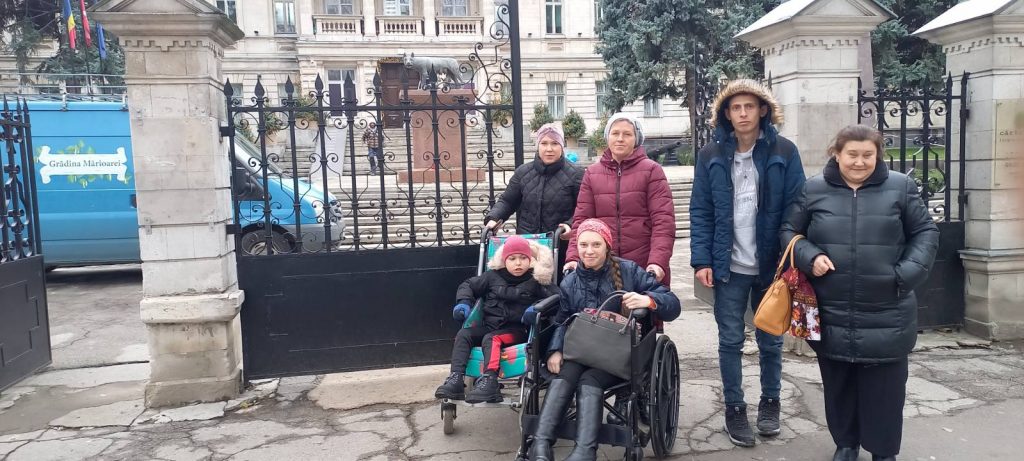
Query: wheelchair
x=647, y=405
x=514, y=364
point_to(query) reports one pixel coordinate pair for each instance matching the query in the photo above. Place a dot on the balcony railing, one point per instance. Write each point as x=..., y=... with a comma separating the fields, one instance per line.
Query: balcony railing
x=336, y=25
x=459, y=26
x=399, y=26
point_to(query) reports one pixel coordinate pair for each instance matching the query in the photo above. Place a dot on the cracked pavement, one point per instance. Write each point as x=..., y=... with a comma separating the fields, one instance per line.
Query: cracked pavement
x=965, y=397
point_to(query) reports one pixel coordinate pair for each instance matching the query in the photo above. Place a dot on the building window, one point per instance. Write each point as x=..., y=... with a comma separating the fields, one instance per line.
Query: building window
x=652, y=107
x=341, y=7
x=598, y=14
x=228, y=7
x=397, y=7
x=553, y=9
x=338, y=75
x=456, y=8
x=501, y=21
x=556, y=99
x=601, y=91
x=284, y=16
x=282, y=93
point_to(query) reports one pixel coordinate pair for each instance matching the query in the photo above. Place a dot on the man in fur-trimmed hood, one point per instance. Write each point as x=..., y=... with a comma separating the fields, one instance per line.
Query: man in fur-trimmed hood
x=743, y=183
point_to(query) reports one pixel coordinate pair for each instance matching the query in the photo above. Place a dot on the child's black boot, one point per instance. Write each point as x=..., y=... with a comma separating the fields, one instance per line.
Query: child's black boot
x=454, y=387
x=486, y=389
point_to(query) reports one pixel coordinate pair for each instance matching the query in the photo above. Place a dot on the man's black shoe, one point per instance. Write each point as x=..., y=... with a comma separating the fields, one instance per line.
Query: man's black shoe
x=737, y=427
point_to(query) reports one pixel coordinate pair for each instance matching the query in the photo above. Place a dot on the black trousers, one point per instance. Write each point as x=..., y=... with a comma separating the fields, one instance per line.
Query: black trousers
x=580, y=375
x=491, y=341
x=864, y=404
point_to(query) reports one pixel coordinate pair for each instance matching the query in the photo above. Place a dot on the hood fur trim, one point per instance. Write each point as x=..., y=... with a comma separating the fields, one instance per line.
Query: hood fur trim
x=745, y=86
x=543, y=262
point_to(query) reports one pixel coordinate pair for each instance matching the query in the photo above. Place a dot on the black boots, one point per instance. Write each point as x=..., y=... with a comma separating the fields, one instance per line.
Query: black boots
x=486, y=389
x=846, y=454
x=555, y=401
x=454, y=387
x=882, y=458
x=589, y=407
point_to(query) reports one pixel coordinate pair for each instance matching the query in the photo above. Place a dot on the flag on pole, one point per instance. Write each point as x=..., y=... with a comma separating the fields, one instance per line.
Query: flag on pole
x=102, y=41
x=85, y=24
x=69, y=18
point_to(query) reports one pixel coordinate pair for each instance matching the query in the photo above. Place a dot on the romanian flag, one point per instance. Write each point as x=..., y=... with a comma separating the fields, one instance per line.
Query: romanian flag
x=85, y=24
x=69, y=16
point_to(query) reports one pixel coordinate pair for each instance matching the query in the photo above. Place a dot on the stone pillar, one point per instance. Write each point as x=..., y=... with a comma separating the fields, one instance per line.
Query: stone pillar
x=369, y=18
x=988, y=45
x=173, y=52
x=429, y=19
x=304, y=12
x=811, y=53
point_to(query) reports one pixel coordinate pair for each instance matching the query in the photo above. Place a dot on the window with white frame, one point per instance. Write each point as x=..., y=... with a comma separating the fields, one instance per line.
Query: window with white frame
x=284, y=16
x=601, y=91
x=236, y=93
x=338, y=75
x=556, y=99
x=454, y=8
x=340, y=7
x=501, y=20
x=228, y=7
x=652, y=107
x=397, y=7
x=553, y=10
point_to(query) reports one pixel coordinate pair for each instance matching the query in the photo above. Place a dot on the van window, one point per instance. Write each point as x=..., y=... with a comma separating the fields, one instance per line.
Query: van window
x=249, y=155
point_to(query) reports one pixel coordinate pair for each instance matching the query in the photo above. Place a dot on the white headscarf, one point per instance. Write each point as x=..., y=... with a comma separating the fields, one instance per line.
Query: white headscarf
x=631, y=119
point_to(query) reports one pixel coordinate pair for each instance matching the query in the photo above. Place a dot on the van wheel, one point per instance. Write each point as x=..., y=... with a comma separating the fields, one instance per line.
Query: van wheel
x=255, y=243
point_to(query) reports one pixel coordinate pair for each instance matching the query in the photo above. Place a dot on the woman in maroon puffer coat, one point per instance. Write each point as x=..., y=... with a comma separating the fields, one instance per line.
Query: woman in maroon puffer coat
x=630, y=193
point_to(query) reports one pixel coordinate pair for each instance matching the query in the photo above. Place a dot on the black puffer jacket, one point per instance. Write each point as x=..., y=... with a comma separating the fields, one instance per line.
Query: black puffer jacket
x=542, y=196
x=505, y=296
x=882, y=242
x=585, y=288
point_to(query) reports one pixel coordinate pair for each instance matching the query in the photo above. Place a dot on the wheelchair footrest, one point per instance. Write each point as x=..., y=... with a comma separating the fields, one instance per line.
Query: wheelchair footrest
x=611, y=434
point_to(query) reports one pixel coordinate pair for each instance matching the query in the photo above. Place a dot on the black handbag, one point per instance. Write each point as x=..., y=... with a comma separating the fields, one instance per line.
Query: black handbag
x=602, y=339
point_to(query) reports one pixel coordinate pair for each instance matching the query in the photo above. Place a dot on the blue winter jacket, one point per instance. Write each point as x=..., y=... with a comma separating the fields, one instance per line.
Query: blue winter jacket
x=585, y=288
x=780, y=179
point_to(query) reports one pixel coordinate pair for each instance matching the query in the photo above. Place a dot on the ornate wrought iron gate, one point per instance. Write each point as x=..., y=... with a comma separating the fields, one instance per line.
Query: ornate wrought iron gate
x=345, y=268
x=24, y=324
x=919, y=125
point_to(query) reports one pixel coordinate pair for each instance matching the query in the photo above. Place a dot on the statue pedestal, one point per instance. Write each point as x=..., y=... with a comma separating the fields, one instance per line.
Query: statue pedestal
x=450, y=143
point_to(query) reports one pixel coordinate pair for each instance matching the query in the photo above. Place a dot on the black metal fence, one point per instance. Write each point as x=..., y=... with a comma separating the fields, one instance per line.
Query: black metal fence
x=440, y=140
x=19, y=234
x=24, y=328
x=918, y=126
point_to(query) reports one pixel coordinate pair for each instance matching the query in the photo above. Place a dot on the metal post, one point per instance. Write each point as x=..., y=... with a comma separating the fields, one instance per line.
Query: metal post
x=517, y=82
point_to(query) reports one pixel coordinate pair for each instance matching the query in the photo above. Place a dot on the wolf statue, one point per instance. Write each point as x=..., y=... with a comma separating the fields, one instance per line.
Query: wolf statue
x=443, y=66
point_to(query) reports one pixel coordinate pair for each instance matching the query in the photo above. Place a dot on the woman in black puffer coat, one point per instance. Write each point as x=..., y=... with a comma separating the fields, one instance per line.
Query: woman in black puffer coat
x=870, y=242
x=541, y=193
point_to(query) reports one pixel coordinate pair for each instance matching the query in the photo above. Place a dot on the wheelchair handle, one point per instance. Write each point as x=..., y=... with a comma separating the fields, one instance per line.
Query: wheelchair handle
x=546, y=303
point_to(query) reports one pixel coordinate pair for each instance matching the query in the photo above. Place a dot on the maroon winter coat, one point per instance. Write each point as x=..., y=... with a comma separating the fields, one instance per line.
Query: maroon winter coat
x=634, y=199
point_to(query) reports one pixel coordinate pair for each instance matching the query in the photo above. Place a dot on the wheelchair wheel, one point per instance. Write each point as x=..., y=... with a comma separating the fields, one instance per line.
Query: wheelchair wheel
x=634, y=454
x=448, y=417
x=663, y=397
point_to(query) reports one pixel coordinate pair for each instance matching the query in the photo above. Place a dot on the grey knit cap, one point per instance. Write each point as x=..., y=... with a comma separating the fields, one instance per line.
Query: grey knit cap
x=623, y=116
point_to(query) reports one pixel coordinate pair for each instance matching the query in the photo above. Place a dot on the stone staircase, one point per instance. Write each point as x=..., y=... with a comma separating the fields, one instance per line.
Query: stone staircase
x=454, y=200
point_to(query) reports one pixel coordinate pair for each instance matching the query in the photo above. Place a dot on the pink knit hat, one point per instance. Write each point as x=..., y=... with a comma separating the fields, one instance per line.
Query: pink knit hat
x=596, y=225
x=516, y=245
x=553, y=131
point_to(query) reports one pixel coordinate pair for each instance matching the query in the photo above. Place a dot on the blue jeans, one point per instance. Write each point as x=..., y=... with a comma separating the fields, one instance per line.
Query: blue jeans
x=730, y=305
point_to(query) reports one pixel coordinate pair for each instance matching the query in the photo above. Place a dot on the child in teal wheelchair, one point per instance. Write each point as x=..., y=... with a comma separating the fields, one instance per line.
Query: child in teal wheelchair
x=521, y=273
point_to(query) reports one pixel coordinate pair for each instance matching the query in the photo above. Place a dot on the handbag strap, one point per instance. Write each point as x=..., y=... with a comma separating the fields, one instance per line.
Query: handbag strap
x=788, y=254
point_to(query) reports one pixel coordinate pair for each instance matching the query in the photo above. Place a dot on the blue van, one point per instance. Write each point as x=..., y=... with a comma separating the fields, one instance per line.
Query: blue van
x=85, y=183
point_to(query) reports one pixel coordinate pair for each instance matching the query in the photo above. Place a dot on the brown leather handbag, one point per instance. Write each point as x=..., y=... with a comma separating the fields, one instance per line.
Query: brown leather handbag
x=773, y=314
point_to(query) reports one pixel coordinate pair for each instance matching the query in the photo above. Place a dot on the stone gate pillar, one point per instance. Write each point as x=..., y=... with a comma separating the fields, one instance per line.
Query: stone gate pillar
x=173, y=51
x=988, y=42
x=810, y=50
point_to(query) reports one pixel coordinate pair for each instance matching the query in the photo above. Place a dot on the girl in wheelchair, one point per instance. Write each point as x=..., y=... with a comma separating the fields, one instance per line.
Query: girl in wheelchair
x=520, y=275
x=598, y=276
